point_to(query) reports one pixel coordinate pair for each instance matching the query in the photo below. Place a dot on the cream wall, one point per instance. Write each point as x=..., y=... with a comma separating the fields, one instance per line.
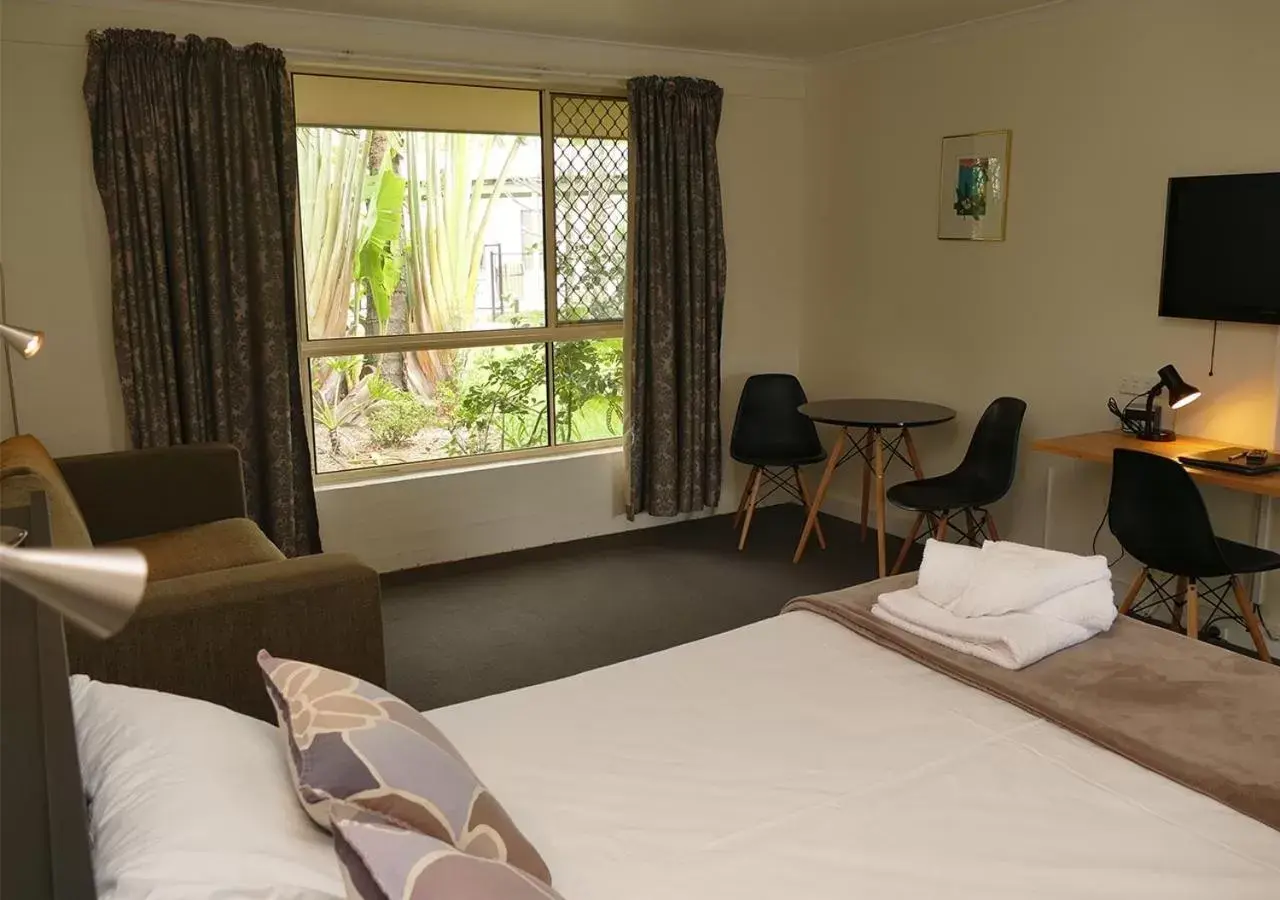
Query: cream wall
x=56, y=253
x=1106, y=101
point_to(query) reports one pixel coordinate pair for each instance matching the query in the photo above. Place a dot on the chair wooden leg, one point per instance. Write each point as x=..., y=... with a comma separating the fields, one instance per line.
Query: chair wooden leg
x=866, y=486
x=808, y=504
x=906, y=545
x=751, y=507
x=1193, y=611
x=1251, y=619
x=742, y=501
x=991, y=526
x=1132, y=596
x=940, y=532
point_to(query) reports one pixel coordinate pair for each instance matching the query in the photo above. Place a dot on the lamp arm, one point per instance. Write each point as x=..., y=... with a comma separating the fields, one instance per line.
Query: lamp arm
x=1149, y=426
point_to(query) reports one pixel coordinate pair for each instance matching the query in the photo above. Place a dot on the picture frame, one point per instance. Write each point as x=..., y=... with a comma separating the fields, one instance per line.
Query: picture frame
x=973, y=186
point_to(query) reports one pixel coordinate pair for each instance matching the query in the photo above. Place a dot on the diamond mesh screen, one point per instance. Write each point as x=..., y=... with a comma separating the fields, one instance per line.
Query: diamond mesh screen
x=589, y=157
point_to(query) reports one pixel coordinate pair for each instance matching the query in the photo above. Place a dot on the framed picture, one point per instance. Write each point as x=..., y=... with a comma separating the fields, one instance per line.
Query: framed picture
x=973, y=190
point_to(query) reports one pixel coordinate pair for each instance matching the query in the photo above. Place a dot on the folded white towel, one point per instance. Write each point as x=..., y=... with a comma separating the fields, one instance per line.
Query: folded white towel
x=1011, y=577
x=1012, y=640
x=1007, y=603
x=946, y=570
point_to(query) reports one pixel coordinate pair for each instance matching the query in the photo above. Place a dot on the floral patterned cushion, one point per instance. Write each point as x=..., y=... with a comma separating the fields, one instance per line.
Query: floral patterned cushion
x=383, y=862
x=351, y=744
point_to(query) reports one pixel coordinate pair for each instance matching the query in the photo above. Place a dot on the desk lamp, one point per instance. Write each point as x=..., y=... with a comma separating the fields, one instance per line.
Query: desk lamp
x=1180, y=394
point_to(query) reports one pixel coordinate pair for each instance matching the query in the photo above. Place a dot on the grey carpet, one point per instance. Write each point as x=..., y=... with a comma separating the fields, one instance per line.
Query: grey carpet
x=463, y=630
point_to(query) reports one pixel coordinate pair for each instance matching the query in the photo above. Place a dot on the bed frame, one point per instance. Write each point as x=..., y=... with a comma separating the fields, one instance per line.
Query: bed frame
x=44, y=828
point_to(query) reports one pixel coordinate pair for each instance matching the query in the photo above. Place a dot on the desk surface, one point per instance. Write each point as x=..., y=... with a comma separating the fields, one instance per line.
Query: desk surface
x=1098, y=445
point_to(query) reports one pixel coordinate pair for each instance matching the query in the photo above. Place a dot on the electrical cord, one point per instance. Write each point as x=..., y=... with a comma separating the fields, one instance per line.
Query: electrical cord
x=1126, y=425
x=1094, y=545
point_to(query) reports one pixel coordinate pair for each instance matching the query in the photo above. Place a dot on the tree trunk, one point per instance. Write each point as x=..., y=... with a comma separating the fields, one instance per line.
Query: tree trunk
x=397, y=323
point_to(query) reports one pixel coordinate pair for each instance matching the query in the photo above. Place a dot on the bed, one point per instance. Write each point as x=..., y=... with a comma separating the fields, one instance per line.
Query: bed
x=795, y=758
x=790, y=758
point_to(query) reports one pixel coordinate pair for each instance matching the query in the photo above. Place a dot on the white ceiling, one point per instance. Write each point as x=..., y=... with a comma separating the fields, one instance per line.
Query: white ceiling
x=786, y=28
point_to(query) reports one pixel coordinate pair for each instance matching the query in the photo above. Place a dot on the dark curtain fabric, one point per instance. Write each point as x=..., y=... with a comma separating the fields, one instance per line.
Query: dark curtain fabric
x=195, y=158
x=678, y=277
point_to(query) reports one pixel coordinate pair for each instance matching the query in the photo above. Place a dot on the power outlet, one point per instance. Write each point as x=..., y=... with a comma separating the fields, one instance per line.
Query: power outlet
x=1133, y=385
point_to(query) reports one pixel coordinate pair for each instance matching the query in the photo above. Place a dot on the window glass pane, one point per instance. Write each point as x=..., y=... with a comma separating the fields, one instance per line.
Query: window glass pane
x=389, y=408
x=588, y=389
x=420, y=232
x=589, y=159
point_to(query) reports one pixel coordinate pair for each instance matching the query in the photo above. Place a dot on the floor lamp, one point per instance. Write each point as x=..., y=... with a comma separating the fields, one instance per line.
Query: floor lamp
x=22, y=340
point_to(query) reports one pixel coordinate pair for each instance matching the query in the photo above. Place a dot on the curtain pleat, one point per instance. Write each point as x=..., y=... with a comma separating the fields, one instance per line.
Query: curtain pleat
x=196, y=163
x=678, y=292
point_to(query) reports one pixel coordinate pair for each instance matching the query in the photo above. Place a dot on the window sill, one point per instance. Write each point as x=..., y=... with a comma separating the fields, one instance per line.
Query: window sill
x=357, y=478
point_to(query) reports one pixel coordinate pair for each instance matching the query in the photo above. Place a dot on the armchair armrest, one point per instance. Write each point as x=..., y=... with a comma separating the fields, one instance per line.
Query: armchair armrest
x=199, y=635
x=134, y=493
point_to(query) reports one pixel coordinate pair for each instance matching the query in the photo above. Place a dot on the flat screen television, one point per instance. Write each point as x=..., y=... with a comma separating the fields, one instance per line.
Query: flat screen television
x=1222, y=248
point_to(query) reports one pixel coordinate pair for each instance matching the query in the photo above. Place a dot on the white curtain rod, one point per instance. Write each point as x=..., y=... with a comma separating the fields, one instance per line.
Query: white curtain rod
x=366, y=60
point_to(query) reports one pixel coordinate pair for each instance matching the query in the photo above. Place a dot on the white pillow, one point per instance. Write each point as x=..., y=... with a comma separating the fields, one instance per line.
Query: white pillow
x=191, y=801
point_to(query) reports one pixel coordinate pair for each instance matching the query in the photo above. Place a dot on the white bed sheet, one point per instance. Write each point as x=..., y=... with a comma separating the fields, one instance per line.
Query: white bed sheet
x=793, y=758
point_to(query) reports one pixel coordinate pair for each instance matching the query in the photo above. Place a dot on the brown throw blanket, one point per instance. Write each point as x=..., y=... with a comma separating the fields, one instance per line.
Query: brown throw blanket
x=1199, y=715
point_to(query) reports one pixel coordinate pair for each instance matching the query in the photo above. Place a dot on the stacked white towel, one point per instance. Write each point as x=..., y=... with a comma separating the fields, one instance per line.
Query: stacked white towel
x=1007, y=603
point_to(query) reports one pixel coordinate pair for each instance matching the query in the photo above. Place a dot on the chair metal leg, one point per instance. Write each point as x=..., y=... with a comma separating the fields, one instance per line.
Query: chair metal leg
x=1193, y=611
x=808, y=504
x=742, y=501
x=1250, y=619
x=907, y=544
x=991, y=526
x=1132, y=596
x=751, y=507
x=970, y=521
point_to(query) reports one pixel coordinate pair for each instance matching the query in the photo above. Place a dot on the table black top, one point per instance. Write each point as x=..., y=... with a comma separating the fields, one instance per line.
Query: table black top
x=877, y=413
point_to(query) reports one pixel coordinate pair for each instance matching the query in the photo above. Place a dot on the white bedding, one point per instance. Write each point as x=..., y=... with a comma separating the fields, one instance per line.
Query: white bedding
x=794, y=759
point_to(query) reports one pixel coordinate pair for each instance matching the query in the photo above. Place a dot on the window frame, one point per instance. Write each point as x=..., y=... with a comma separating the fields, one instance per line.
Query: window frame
x=548, y=335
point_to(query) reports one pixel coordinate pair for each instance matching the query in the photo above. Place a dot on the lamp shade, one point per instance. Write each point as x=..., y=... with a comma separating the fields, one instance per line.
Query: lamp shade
x=1180, y=393
x=24, y=340
x=98, y=590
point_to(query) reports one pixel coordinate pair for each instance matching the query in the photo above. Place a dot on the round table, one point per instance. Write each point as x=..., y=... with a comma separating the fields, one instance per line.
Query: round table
x=872, y=416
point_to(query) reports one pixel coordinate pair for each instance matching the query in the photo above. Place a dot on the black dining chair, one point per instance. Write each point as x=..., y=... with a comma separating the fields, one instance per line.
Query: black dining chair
x=769, y=433
x=983, y=477
x=1159, y=518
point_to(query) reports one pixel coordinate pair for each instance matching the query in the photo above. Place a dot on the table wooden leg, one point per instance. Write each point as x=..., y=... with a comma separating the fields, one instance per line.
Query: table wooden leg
x=1129, y=598
x=751, y=505
x=911, y=453
x=832, y=461
x=804, y=496
x=865, y=443
x=880, y=531
x=1193, y=611
x=906, y=545
x=1251, y=619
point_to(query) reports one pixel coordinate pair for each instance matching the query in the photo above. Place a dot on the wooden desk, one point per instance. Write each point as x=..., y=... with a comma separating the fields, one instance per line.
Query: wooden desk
x=1097, y=446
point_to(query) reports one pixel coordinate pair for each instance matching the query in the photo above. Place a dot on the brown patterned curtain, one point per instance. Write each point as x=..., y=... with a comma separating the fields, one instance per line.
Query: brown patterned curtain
x=195, y=159
x=678, y=266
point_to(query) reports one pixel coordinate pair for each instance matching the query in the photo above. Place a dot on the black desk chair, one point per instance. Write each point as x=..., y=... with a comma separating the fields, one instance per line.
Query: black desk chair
x=1159, y=518
x=983, y=477
x=770, y=433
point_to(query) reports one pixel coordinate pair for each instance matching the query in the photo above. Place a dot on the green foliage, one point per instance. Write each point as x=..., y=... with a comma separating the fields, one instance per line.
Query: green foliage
x=379, y=254
x=397, y=418
x=588, y=375
x=503, y=409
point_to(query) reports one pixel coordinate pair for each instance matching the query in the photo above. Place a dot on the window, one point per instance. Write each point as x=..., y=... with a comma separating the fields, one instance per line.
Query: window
x=463, y=253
